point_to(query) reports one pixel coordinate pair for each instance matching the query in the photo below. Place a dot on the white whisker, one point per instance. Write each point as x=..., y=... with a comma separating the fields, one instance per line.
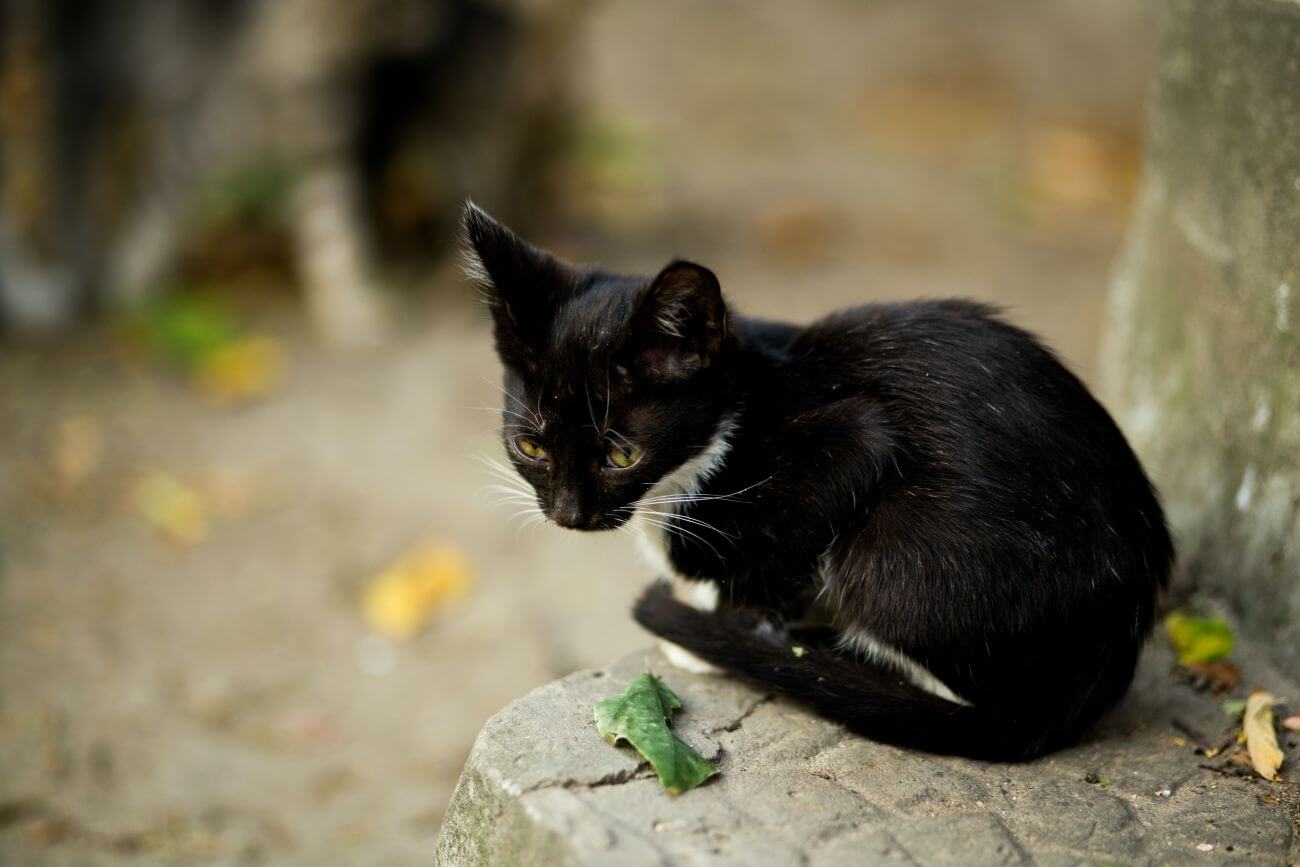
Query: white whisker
x=605, y=424
x=518, y=415
x=623, y=441
x=534, y=415
x=654, y=519
x=677, y=516
x=700, y=498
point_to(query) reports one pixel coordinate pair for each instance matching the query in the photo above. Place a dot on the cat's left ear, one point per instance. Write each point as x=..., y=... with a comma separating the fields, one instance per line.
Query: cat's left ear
x=680, y=324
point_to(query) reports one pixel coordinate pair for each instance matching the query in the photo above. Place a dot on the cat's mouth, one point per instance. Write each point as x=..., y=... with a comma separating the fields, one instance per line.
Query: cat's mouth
x=587, y=524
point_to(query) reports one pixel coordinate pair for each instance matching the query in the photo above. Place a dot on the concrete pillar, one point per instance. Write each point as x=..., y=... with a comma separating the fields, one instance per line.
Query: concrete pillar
x=1202, y=350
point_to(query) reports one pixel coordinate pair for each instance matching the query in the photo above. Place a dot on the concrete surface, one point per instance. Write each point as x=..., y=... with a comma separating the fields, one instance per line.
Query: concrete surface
x=542, y=788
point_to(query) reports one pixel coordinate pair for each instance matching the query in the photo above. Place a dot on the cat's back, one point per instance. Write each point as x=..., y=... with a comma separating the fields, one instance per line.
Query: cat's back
x=949, y=358
x=938, y=337
x=973, y=395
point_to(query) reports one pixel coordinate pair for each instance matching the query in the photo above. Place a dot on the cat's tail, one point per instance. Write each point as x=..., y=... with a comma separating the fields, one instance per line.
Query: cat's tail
x=870, y=700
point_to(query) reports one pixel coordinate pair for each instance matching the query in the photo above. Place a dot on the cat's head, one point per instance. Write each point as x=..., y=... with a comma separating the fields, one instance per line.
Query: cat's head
x=611, y=382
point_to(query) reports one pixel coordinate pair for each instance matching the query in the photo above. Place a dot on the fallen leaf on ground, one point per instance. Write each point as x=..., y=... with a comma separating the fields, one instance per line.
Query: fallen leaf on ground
x=640, y=716
x=399, y=601
x=1234, y=707
x=77, y=451
x=1198, y=639
x=172, y=507
x=1261, y=737
x=1219, y=676
x=243, y=369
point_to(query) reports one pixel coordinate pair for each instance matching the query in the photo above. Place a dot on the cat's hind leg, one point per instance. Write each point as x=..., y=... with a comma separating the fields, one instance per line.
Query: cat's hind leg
x=702, y=595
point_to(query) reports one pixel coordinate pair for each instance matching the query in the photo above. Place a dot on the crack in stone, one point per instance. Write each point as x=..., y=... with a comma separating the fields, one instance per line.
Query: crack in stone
x=735, y=724
x=619, y=777
x=614, y=778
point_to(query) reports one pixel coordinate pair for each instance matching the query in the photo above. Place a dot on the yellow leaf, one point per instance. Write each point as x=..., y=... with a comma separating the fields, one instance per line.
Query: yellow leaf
x=1261, y=737
x=1198, y=639
x=172, y=507
x=242, y=369
x=399, y=601
x=78, y=450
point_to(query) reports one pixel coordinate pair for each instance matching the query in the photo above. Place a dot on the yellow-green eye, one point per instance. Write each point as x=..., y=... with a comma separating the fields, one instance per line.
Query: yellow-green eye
x=622, y=457
x=530, y=448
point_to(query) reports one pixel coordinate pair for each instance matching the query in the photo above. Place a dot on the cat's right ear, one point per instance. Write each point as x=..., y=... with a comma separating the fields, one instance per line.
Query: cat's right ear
x=522, y=285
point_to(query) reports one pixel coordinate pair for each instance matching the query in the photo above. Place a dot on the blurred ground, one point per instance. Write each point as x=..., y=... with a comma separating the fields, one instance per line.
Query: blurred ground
x=165, y=701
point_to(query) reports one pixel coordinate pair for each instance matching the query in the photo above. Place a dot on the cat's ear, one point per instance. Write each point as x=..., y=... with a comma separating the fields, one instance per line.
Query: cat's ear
x=523, y=286
x=680, y=323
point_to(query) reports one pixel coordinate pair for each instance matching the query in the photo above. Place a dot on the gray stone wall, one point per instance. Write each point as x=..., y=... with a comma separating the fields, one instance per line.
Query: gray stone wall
x=1202, y=356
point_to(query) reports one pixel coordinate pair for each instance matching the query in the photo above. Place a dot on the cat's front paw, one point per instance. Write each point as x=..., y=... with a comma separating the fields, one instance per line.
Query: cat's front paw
x=684, y=659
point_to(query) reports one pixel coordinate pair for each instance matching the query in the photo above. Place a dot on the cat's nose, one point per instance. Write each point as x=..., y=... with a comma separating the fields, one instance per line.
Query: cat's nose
x=568, y=511
x=575, y=520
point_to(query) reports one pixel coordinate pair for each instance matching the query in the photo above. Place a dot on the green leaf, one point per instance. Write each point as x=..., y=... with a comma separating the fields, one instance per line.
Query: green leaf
x=184, y=329
x=1198, y=639
x=1233, y=708
x=640, y=716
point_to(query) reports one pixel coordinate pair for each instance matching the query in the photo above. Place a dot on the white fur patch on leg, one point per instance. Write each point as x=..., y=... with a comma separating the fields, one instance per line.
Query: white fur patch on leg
x=700, y=595
x=703, y=596
x=684, y=659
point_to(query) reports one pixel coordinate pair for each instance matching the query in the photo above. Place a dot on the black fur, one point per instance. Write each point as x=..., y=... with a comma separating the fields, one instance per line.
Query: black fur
x=924, y=474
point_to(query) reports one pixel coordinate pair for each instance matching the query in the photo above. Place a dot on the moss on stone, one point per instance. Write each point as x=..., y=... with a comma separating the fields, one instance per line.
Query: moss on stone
x=1202, y=357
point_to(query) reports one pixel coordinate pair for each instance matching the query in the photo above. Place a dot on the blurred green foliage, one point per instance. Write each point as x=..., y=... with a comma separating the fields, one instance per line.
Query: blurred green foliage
x=253, y=190
x=183, y=328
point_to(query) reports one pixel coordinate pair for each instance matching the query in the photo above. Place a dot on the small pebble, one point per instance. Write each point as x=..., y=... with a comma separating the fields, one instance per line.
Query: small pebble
x=1163, y=793
x=1206, y=847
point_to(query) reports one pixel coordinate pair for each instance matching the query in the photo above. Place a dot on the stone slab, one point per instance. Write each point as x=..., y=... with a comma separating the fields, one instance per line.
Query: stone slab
x=542, y=788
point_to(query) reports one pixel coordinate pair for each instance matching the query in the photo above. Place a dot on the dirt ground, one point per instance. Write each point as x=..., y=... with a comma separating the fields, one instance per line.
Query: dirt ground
x=224, y=701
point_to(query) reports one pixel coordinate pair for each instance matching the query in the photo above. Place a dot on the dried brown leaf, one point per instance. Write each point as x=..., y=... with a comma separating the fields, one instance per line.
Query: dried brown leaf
x=1218, y=676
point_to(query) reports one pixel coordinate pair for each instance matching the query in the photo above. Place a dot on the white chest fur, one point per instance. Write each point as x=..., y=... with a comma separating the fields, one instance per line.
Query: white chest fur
x=652, y=519
x=658, y=506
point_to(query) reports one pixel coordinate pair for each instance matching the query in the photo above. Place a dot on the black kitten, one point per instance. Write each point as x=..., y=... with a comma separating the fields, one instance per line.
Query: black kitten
x=975, y=542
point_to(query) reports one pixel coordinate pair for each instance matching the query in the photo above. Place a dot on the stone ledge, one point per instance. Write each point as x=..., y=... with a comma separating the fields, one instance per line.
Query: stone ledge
x=542, y=788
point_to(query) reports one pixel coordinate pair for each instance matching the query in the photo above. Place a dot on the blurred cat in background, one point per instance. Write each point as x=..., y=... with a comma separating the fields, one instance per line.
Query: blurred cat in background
x=115, y=113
